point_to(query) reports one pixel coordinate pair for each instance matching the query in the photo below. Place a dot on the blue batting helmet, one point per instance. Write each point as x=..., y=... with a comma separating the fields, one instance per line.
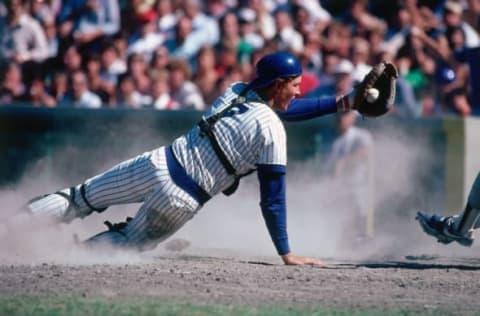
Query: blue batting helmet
x=274, y=66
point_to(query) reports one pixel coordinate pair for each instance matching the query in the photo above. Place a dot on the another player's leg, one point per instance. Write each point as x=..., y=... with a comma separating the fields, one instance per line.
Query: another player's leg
x=127, y=182
x=471, y=215
x=457, y=228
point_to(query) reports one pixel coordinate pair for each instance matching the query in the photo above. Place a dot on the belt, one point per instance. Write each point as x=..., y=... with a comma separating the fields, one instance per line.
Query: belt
x=183, y=180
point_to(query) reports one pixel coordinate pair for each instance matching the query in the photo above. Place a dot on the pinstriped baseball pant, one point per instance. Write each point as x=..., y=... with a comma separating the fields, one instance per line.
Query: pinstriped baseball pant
x=146, y=179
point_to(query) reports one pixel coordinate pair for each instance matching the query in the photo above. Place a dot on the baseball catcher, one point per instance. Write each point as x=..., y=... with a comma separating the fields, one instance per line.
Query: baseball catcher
x=241, y=133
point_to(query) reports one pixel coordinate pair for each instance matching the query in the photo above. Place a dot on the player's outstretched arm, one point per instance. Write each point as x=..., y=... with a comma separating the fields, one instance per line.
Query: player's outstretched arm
x=374, y=96
x=274, y=211
x=303, y=109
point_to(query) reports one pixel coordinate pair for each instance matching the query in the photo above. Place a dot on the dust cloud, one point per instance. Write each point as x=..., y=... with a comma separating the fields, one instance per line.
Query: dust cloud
x=407, y=177
x=406, y=180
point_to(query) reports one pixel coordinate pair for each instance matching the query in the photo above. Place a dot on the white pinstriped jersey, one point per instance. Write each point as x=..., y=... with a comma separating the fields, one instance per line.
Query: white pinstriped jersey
x=250, y=134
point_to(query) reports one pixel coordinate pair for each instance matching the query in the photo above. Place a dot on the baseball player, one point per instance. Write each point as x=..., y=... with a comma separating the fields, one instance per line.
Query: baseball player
x=240, y=133
x=458, y=227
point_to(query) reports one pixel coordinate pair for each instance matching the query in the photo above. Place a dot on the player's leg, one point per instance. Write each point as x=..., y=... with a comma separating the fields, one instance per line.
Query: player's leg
x=165, y=211
x=457, y=228
x=127, y=182
x=469, y=219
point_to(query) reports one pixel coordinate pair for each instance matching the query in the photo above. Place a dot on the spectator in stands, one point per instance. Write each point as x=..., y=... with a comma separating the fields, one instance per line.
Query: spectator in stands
x=22, y=38
x=456, y=38
x=227, y=59
x=452, y=17
x=375, y=38
x=79, y=95
x=120, y=41
x=112, y=64
x=311, y=55
x=360, y=57
x=338, y=39
x=287, y=38
x=264, y=20
x=359, y=18
x=310, y=17
x=182, y=44
x=41, y=10
x=472, y=14
x=329, y=62
x=471, y=58
x=38, y=95
x=218, y=8
x=230, y=33
x=127, y=95
x=58, y=87
x=72, y=59
x=47, y=21
x=161, y=98
x=184, y=91
x=206, y=75
x=68, y=16
x=167, y=19
x=433, y=53
x=205, y=28
x=12, y=88
x=146, y=38
x=311, y=61
x=248, y=29
x=97, y=83
x=50, y=30
x=160, y=58
x=99, y=19
x=406, y=104
x=344, y=80
x=342, y=83
x=137, y=68
x=457, y=102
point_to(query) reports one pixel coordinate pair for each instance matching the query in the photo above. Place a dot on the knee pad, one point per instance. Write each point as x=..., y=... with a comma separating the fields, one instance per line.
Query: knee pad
x=60, y=205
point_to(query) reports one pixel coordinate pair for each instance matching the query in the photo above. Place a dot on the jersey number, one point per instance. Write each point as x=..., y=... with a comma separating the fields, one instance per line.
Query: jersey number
x=236, y=110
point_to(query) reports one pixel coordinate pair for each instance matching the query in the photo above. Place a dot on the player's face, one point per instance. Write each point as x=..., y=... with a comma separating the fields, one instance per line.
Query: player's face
x=285, y=91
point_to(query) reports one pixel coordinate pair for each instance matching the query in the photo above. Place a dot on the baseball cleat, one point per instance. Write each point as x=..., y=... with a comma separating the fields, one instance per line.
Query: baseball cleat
x=441, y=227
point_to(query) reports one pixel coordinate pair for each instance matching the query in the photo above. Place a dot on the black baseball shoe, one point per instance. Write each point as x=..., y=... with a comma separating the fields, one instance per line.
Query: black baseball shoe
x=441, y=227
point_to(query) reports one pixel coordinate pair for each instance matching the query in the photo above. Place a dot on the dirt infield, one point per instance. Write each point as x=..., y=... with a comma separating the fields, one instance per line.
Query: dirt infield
x=422, y=285
x=401, y=269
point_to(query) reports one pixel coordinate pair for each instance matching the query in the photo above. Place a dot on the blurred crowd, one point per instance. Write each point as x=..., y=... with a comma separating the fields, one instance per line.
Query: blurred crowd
x=177, y=54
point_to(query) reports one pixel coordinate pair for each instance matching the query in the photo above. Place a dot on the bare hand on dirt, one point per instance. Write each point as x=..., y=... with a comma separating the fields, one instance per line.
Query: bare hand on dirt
x=291, y=259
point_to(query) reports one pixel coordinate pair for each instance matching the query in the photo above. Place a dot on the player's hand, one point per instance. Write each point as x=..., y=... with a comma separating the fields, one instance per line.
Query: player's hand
x=293, y=260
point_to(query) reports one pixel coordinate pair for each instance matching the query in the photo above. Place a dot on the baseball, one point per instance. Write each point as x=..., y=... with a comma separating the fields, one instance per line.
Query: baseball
x=372, y=95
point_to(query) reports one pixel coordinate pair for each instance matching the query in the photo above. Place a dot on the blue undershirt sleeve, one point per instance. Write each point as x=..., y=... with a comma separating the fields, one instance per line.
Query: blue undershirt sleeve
x=308, y=108
x=273, y=204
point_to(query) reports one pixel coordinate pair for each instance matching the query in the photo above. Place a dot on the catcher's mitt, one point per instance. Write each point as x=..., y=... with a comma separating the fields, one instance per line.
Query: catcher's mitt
x=382, y=77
